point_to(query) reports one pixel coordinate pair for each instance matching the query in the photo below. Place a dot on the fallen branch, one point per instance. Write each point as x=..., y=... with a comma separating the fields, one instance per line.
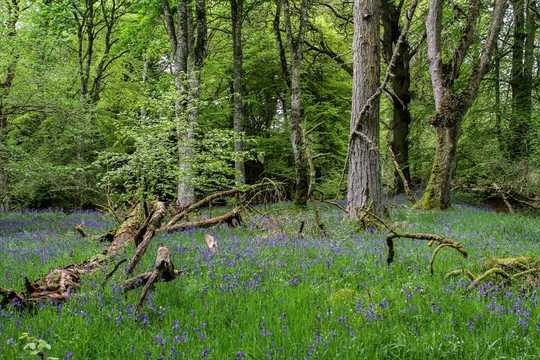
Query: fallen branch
x=232, y=218
x=406, y=185
x=488, y=273
x=421, y=236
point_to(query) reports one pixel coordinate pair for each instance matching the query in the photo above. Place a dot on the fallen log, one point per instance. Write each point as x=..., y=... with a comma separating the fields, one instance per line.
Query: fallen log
x=59, y=283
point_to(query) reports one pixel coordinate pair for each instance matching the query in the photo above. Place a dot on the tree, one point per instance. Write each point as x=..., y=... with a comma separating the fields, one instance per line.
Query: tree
x=451, y=103
x=13, y=10
x=364, y=178
x=296, y=44
x=522, y=77
x=188, y=39
x=237, y=7
x=400, y=82
x=95, y=18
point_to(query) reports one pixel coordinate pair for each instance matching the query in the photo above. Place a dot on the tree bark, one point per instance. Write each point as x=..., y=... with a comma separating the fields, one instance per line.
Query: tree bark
x=364, y=185
x=187, y=34
x=297, y=137
x=238, y=98
x=400, y=82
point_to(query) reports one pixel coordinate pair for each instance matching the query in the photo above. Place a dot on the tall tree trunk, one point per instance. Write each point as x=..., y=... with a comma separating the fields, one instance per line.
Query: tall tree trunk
x=451, y=105
x=238, y=99
x=521, y=82
x=364, y=178
x=6, y=83
x=187, y=34
x=400, y=82
x=297, y=137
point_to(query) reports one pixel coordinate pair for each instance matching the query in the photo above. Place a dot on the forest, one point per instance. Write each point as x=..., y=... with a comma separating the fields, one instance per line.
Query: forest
x=269, y=179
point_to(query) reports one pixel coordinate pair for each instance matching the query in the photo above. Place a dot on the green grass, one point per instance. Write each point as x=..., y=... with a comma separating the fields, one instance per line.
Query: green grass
x=268, y=294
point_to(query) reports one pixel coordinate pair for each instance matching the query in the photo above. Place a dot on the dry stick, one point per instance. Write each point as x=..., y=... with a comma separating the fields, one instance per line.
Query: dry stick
x=152, y=226
x=356, y=131
x=200, y=203
x=406, y=185
x=301, y=229
x=320, y=225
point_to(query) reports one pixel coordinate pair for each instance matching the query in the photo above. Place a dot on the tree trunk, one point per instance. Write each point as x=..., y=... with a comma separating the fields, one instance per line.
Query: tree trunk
x=437, y=193
x=400, y=82
x=6, y=83
x=364, y=185
x=301, y=192
x=521, y=82
x=238, y=99
x=451, y=106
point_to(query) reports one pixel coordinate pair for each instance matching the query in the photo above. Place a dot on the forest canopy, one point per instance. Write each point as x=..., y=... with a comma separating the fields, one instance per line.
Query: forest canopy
x=118, y=100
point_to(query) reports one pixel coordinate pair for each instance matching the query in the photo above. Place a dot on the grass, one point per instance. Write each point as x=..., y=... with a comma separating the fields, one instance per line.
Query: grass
x=268, y=294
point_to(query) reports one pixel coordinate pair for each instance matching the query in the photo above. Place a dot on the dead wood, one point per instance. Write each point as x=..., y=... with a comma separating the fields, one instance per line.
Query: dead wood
x=163, y=269
x=406, y=185
x=320, y=225
x=59, y=283
x=422, y=236
x=79, y=229
x=301, y=229
x=151, y=226
x=211, y=243
x=205, y=201
x=232, y=218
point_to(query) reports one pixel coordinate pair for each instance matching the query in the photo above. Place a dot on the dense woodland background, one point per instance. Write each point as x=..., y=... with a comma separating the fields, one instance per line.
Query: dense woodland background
x=111, y=101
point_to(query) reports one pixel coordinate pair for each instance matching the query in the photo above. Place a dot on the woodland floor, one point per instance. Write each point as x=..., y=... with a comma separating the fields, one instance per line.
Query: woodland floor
x=270, y=294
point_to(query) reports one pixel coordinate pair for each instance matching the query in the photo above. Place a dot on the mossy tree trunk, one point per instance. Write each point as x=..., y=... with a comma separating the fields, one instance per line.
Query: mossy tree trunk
x=451, y=104
x=437, y=193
